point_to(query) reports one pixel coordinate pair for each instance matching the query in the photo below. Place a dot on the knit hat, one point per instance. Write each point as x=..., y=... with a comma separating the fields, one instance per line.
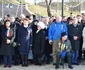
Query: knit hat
x=41, y=24
x=63, y=34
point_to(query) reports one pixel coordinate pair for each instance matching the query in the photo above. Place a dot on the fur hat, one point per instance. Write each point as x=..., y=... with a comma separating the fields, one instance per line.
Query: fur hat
x=41, y=24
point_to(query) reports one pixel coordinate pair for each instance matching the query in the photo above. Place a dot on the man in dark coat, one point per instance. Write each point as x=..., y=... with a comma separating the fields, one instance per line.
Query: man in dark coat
x=75, y=33
x=48, y=47
x=39, y=43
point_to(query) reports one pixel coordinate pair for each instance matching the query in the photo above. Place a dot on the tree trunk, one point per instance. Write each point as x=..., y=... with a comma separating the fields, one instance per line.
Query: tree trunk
x=49, y=11
x=48, y=7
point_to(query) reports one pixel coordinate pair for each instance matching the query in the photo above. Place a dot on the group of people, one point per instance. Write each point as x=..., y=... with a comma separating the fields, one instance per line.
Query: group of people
x=47, y=39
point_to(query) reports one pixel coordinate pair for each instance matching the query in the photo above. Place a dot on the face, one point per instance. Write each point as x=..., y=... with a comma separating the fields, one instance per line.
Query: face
x=83, y=17
x=35, y=23
x=46, y=21
x=58, y=19
x=75, y=21
x=64, y=38
x=71, y=22
x=25, y=22
x=38, y=27
x=31, y=19
x=79, y=18
x=12, y=19
x=8, y=24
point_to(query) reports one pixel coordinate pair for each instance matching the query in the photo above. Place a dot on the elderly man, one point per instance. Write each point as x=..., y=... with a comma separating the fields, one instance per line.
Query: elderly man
x=63, y=49
x=55, y=30
x=48, y=47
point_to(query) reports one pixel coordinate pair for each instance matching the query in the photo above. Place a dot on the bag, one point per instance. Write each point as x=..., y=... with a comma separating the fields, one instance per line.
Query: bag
x=30, y=55
x=41, y=59
x=14, y=44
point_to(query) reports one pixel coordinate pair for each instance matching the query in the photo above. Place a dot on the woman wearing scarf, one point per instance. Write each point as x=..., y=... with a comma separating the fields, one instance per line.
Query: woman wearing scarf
x=8, y=36
x=24, y=41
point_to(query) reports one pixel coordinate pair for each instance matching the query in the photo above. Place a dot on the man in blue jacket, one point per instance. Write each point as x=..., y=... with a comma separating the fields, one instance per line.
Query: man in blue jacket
x=55, y=30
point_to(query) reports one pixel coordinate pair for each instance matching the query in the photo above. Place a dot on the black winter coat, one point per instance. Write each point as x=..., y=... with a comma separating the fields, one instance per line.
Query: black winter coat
x=39, y=42
x=7, y=49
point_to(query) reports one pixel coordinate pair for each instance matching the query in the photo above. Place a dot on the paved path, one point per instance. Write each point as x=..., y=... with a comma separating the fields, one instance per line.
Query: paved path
x=44, y=67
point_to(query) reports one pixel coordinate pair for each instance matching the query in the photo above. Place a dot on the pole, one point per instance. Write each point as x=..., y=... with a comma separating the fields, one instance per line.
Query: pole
x=36, y=8
x=2, y=10
x=62, y=8
x=21, y=7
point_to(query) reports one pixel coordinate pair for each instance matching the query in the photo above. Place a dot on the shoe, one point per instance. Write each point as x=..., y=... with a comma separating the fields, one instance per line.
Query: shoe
x=70, y=67
x=9, y=66
x=5, y=66
x=57, y=67
x=54, y=63
x=75, y=63
x=23, y=65
x=26, y=65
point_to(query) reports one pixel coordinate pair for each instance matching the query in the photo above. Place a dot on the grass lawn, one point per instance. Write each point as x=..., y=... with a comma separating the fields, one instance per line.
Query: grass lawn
x=43, y=11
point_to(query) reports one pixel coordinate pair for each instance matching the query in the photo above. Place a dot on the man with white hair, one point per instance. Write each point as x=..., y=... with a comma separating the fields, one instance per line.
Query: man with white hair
x=48, y=47
x=55, y=30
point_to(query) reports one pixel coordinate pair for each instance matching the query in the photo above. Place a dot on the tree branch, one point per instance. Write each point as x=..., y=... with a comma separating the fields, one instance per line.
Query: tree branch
x=46, y=2
x=50, y=2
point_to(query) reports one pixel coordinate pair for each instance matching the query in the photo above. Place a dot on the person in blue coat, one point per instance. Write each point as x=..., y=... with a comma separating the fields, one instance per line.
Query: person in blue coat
x=24, y=41
x=54, y=33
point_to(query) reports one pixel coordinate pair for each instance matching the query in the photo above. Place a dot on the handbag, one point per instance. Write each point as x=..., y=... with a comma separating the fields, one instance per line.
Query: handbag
x=30, y=55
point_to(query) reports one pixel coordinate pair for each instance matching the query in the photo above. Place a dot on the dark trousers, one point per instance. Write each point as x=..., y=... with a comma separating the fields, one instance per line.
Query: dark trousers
x=58, y=57
x=48, y=51
x=17, y=57
x=24, y=59
x=36, y=57
x=8, y=60
x=80, y=49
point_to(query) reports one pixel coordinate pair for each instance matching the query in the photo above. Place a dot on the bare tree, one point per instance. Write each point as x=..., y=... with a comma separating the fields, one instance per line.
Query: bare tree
x=48, y=4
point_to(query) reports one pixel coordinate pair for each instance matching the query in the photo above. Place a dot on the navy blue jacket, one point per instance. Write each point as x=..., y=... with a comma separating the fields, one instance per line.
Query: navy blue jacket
x=24, y=38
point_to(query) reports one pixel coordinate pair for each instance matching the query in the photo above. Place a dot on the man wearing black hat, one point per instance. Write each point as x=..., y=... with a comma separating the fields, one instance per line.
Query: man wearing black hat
x=63, y=49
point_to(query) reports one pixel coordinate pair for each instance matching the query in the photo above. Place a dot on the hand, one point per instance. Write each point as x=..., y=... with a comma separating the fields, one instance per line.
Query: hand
x=50, y=41
x=19, y=44
x=46, y=38
x=31, y=45
x=75, y=37
x=8, y=41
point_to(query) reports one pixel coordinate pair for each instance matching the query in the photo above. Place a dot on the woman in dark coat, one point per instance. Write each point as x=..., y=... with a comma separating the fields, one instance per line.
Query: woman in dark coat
x=8, y=36
x=75, y=34
x=24, y=41
x=39, y=42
